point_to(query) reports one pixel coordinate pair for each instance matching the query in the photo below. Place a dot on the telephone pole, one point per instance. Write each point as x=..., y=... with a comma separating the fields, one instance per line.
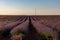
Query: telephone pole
x=35, y=11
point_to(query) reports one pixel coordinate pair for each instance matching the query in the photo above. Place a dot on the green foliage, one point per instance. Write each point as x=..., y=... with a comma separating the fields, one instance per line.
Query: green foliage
x=19, y=31
x=4, y=33
x=1, y=31
x=42, y=36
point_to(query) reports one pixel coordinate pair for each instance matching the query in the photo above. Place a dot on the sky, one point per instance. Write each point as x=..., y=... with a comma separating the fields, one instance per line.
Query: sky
x=27, y=7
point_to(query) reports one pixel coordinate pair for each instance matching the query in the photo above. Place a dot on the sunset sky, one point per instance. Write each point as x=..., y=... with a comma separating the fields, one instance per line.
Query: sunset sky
x=27, y=7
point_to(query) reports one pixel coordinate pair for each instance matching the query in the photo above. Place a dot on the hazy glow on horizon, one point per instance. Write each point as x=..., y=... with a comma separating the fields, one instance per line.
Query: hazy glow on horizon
x=26, y=7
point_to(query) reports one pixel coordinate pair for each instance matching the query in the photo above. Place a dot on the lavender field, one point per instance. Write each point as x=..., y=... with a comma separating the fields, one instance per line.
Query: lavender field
x=29, y=27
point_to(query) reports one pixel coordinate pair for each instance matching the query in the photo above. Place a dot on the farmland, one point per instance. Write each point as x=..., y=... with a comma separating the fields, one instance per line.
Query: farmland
x=29, y=27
